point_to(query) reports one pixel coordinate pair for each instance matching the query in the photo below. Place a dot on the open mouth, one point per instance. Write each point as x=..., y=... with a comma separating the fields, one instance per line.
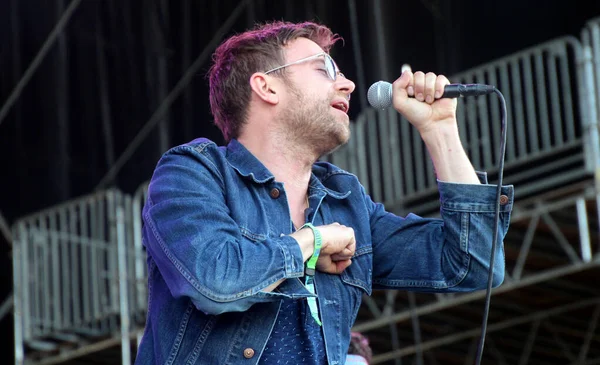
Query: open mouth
x=341, y=106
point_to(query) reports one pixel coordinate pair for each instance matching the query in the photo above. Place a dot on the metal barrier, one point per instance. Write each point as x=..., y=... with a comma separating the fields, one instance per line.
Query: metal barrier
x=547, y=108
x=590, y=37
x=140, y=269
x=72, y=277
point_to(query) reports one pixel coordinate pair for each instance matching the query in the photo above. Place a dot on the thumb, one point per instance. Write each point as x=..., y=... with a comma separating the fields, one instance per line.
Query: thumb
x=402, y=87
x=340, y=266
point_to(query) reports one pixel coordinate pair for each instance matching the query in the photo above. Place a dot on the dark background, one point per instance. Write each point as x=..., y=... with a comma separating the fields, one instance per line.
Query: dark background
x=116, y=61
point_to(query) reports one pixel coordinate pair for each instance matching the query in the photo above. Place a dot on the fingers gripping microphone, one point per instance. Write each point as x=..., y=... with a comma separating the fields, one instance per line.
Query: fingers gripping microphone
x=380, y=93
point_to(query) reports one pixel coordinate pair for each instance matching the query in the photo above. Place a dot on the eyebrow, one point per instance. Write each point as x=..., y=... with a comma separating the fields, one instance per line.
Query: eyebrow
x=315, y=60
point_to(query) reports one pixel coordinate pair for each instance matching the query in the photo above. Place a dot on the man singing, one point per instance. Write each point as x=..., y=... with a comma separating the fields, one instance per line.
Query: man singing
x=258, y=253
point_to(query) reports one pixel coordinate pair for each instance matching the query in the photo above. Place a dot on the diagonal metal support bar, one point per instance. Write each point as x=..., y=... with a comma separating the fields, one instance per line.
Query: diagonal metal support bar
x=5, y=230
x=469, y=297
x=103, y=93
x=189, y=75
x=560, y=237
x=373, y=308
x=39, y=57
x=524, y=252
x=585, y=347
x=542, y=207
x=497, y=353
x=491, y=328
x=6, y=306
x=508, y=277
x=561, y=343
x=530, y=341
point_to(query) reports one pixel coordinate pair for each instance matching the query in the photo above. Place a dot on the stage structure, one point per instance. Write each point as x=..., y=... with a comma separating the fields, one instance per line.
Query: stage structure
x=80, y=269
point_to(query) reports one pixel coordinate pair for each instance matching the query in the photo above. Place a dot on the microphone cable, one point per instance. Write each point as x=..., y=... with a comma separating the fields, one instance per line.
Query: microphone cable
x=488, y=293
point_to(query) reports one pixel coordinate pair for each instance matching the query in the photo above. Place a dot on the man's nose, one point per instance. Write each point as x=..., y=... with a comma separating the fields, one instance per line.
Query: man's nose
x=345, y=85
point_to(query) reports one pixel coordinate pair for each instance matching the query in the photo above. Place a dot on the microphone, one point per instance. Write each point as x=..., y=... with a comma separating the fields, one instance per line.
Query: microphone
x=380, y=93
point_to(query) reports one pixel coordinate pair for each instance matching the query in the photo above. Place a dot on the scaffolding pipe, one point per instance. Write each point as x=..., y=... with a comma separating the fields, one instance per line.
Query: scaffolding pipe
x=123, y=295
x=58, y=28
x=584, y=234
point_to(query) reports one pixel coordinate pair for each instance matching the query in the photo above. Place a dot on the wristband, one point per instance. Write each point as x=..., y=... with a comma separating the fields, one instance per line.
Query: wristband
x=312, y=261
x=310, y=272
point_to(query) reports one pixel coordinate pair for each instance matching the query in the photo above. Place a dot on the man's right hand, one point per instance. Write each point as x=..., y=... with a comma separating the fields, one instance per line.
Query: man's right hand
x=337, y=249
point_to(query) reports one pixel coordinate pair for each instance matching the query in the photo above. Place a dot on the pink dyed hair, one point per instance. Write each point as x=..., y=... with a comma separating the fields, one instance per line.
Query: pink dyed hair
x=256, y=50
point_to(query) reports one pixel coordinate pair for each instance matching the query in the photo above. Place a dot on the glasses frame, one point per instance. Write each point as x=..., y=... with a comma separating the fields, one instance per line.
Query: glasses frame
x=329, y=65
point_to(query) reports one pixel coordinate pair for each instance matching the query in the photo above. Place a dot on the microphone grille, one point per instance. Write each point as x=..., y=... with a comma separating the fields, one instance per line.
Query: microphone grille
x=380, y=95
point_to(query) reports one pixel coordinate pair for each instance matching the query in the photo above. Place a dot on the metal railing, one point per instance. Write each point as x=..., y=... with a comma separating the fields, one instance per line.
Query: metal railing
x=140, y=269
x=72, y=277
x=548, y=129
x=590, y=37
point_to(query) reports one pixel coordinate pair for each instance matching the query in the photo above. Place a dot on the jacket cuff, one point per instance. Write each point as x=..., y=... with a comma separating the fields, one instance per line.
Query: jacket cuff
x=292, y=256
x=474, y=198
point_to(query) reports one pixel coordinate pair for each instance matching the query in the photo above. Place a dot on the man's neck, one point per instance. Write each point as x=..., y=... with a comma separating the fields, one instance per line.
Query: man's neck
x=290, y=164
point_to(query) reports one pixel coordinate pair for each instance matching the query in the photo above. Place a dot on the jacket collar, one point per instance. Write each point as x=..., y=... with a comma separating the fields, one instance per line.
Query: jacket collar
x=248, y=166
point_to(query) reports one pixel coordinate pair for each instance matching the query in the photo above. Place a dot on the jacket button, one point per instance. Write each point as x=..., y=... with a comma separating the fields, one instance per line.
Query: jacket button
x=248, y=353
x=274, y=193
x=503, y=199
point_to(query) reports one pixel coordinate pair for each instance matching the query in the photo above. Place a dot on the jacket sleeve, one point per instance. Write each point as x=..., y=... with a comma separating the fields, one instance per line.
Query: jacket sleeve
x=199, y=249
x=450, y=253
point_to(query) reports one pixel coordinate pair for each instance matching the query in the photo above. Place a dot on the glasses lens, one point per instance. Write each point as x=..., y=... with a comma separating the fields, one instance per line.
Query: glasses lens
x=330, y=67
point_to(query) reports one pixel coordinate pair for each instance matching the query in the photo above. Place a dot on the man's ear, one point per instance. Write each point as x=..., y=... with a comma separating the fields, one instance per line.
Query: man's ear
x=265, y=87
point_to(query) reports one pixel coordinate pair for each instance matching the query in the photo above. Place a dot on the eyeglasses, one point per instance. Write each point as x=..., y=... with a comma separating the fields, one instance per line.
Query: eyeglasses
x=329, y=65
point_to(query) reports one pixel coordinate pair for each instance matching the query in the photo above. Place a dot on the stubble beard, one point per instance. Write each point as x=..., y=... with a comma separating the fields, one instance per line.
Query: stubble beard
x=309, y=122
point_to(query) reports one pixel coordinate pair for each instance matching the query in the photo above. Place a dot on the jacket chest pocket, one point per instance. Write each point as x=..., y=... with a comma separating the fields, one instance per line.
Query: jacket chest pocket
x=260, y=218
x=253, y=234
x=252, y=219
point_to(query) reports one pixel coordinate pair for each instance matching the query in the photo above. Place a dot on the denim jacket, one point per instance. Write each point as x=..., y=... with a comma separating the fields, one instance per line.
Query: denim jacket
x=216, y=230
